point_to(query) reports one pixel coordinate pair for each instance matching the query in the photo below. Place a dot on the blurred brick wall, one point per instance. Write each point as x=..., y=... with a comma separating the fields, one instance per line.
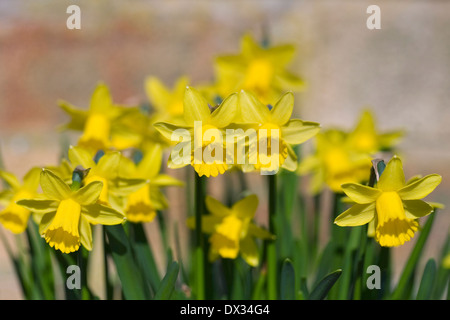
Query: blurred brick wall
x=402, y=70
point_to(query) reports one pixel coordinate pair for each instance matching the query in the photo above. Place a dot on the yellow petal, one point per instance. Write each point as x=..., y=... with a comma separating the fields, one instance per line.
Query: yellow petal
x=392, y=178
x=53, y=186
x=85, y=233
x=101, y=100
x=79, y=156
x=360, y=194
x=90, y=193
x=195, y=106
x=416, y=208
x=357, y=215
x=225, y=113
x=10, y=179
x=420, y=188
x=209, y=223
x=246, y=208
x=108, y=165
x=101, y=214
x=216, y=208
x=150, y=165
x=296, y=131
x=253, y=110
x=249, y=251
x=282, y=110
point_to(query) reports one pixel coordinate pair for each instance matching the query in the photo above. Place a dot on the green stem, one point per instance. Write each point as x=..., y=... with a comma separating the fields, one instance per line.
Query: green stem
x=199, y=245
x=271, y=245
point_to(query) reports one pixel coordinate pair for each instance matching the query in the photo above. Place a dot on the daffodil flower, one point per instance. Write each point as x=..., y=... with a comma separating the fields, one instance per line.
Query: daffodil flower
x=393, y=205
x=367, y=138
x=65, y=215
x=14, y=217
x=168, y=103
x=106, y=170
x=335, y=162
x=197, y=111
x=260, y=70
x=232, y=230
x=345, y=157
x=98, y=122
x=274, y=124
x=142, y=203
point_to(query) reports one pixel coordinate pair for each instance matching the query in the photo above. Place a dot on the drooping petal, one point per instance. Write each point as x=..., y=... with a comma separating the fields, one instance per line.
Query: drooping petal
x=53, y=186
x=357, y=215
x=249, y=251
x=85, y=233
x=296, y=131
x=420, y=188
x=392, y=178
x=359, y=193
x=416, y=208
x=282, y=110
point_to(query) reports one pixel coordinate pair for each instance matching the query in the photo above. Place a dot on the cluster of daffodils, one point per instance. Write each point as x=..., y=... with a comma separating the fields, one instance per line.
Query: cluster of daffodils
x=241, y=132
x=345, y=156
x=112, y=174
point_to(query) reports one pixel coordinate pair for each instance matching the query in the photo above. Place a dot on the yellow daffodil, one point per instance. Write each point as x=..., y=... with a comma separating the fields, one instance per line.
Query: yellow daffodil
x=14, y=217
x=392, y=205
x=168, y=103
x=335, y=162
x=105, y=168
x=345, y=157
x=66, y=215
x=366, y=138
x=202, y=132
x=260, y=70
x=274, y=124
x=232, y=230
x=142, y=203
x=98, y=122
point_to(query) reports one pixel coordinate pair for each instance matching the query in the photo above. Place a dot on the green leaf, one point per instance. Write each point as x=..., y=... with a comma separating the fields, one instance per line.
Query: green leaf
x=167, y=285
x=132, y=285
x=428, y=280
x=144, y=255
x=405, y=278
x=324, y=286
x=287, y=285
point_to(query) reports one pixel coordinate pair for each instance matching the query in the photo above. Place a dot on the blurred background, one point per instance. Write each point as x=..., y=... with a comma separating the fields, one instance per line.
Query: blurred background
x=401, y=71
